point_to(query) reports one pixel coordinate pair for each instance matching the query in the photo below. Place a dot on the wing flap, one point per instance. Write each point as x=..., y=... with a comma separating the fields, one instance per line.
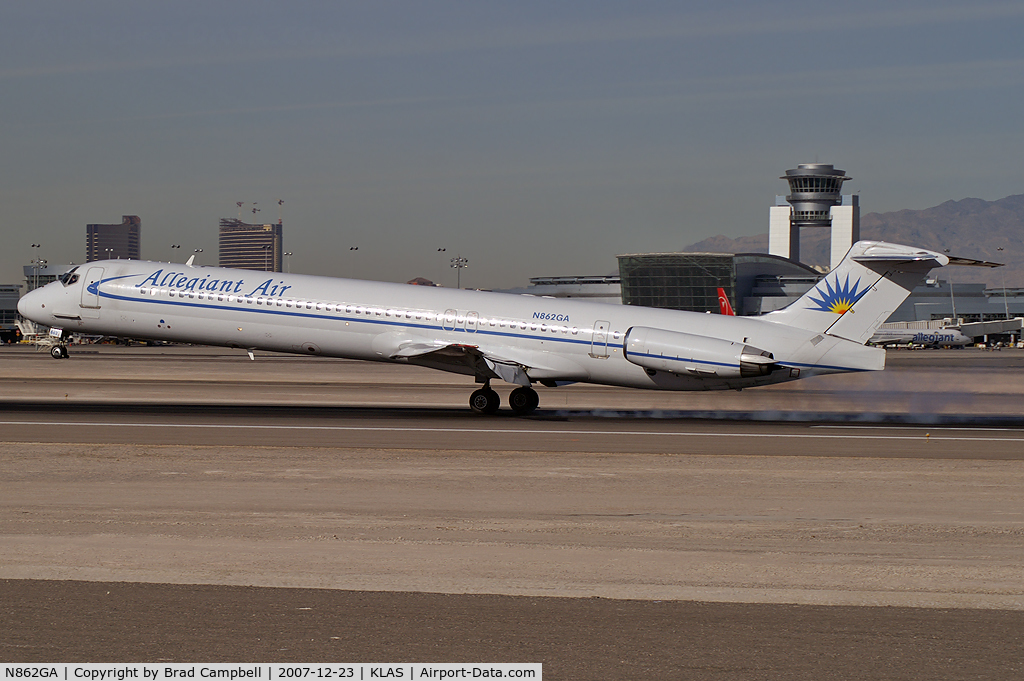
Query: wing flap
x=510, y=364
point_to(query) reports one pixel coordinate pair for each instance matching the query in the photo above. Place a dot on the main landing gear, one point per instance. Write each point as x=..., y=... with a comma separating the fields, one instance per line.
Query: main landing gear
x=484, y=401
x=59, y=352
x=522, y=400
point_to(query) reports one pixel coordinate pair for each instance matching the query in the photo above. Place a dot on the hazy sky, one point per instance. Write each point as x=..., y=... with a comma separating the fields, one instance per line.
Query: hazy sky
x=533, y=138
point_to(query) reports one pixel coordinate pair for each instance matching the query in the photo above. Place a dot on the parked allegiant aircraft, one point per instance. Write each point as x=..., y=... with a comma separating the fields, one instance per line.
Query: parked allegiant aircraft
x=491, y=336
x=946, y=336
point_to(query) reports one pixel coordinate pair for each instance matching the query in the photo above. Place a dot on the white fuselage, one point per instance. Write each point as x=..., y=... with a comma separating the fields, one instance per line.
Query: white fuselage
x=551, y=340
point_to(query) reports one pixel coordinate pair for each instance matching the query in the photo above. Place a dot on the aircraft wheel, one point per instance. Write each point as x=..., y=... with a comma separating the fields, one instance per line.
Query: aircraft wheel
x=484, y=401
x=523, y=400
x=64, y=352
x=57, y=352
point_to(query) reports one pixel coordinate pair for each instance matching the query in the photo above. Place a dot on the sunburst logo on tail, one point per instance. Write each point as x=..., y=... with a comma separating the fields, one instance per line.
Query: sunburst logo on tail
x=839, y=299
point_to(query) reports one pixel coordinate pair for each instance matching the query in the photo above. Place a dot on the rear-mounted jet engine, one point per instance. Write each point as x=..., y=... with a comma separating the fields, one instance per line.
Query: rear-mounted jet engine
x=687, y=354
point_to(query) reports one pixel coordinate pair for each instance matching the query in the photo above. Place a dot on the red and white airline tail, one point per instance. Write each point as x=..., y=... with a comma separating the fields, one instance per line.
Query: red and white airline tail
x=723, y=303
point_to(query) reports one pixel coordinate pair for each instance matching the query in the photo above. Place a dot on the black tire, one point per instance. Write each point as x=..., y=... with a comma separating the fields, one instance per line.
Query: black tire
x=484, y=401
x=57, y=352
x=523, y=400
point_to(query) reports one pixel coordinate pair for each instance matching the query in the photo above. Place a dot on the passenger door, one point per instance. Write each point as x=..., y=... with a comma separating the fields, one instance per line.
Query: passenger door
x=90, y=292
x=599, y=341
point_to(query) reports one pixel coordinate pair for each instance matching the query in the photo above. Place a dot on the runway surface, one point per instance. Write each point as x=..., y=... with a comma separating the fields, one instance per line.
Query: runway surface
x=611, y=527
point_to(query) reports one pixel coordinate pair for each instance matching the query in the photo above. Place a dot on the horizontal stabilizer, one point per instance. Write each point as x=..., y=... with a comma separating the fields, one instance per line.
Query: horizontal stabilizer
x=967, y=262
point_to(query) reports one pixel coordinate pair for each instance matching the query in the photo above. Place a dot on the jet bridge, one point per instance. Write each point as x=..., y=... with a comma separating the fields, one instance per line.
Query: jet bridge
x=979, y=329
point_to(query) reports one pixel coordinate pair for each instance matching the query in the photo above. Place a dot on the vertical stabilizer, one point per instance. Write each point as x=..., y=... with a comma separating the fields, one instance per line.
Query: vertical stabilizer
x=724, y=306
x=856, y=297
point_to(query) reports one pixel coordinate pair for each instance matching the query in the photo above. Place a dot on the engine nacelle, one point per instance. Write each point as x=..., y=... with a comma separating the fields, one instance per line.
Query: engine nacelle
x=687, y=354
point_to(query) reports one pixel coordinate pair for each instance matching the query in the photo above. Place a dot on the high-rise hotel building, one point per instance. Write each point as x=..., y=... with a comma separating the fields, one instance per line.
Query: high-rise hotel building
x=250, y=247
x=106, y=242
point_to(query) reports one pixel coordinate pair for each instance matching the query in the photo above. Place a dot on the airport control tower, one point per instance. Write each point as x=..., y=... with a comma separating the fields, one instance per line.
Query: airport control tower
x=814, y=201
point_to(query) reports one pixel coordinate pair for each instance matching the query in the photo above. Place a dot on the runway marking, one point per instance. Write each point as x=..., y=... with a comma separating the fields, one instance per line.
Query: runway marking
x=922, y=427
x=513, y=431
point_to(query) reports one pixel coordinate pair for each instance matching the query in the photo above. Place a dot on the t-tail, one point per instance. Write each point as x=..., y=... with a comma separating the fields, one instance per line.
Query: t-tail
x=724, y=306
x=855, y=298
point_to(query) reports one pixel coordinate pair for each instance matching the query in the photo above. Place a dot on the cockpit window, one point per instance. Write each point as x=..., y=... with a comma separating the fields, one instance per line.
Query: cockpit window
x=69, y=277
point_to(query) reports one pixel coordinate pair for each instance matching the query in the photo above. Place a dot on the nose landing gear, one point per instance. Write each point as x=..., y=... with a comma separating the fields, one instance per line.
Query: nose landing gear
x=59, y=351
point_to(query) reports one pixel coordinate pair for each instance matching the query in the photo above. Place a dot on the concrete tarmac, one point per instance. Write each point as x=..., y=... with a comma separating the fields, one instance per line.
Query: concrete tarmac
x=195, y=466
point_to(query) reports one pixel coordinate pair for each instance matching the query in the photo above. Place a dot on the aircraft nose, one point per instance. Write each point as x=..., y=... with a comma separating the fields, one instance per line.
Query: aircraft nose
x=30, y=306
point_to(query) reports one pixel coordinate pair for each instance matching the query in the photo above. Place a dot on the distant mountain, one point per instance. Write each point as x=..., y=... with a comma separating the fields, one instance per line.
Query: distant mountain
x=970, y=228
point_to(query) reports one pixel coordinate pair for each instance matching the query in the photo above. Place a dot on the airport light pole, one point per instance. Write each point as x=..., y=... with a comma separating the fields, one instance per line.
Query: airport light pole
x=352, y=261
x=1006, y=306
x=441, y=250
x=458, y=264
x=35, y=267
x=266, y=257
x=196, y=252
x=952, y=302
x=287, y=257
x=108, y=252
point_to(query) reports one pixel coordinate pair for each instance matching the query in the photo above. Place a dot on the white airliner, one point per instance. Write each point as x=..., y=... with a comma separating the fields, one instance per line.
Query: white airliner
x=950, y=336
x=518, y=339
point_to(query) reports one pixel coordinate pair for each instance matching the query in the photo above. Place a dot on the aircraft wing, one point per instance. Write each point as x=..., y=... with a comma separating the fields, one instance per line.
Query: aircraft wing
x=482, y=359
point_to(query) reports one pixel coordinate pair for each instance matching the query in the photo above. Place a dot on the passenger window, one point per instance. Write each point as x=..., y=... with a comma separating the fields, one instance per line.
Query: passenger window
x=220, y=297
x=543, y=327
x=259, y=301
x=289, y=303
x=574, y=330
x=348, y=309
x=319, y=306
